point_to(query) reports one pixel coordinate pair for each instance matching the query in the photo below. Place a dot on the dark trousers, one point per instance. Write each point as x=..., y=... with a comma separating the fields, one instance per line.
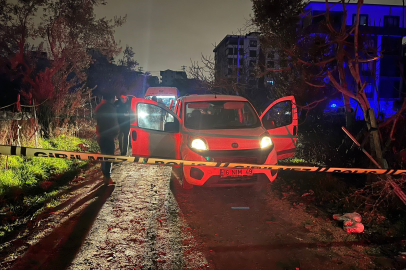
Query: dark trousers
x=123, y=140
x=106, y=148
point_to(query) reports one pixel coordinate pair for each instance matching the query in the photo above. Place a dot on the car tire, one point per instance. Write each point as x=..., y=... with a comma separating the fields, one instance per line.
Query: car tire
x=185, y=184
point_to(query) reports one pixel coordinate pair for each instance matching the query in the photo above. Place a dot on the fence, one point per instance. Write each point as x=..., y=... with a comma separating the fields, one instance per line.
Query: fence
x=19, y=122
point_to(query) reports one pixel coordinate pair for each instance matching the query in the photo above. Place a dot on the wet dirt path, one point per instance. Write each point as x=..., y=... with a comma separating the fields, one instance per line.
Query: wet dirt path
x=143, y=222
x=251, y=228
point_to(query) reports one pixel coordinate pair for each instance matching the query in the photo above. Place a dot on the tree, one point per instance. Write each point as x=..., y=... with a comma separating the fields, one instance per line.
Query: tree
x=128, y=58
x=321, y=54
x=302, y=59
x=66, y=31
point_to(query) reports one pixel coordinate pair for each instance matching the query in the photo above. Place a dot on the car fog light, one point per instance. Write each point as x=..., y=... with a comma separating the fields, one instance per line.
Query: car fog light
x=196, y=173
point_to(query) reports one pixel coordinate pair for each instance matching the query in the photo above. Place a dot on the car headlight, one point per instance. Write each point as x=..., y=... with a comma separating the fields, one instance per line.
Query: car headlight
x=198, y=144
x=266, y=142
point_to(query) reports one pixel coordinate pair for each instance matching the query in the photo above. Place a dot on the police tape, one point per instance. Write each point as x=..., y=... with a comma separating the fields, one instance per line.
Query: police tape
x=38, y=152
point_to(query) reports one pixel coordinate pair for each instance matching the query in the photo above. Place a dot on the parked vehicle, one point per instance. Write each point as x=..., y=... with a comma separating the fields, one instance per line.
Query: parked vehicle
x=219, y=128
x=166, y=95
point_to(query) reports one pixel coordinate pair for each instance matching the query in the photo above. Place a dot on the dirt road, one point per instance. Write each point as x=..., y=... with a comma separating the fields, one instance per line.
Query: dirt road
x=142, y=223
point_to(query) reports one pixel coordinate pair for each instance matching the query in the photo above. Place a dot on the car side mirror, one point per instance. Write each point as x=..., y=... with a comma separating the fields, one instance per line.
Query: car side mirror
x=172, y=126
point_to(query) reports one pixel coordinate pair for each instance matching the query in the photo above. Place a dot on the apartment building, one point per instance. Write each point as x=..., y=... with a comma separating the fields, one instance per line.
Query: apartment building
x=238, y=57
x=384, y=26
x=169, y=76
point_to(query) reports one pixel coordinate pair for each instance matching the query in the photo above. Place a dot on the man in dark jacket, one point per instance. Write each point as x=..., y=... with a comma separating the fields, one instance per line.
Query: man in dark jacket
x=123, y=107
x=107, y=129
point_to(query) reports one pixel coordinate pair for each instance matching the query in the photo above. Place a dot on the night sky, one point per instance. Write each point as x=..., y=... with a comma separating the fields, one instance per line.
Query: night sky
x=166, y=34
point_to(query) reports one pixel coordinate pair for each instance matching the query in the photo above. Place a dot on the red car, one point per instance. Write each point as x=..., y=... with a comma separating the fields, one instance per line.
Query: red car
x=219, y=128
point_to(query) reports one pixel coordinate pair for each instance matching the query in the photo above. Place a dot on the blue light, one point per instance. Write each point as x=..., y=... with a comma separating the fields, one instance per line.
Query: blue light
x=333, y=105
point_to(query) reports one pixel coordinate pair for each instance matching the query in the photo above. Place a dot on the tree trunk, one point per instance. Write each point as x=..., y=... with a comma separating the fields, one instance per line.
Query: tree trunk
x=349, y=118
x=374, y=136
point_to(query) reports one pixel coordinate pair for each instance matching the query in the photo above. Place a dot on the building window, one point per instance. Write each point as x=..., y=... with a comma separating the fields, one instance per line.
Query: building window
x=253, y=53
x=229, y=71
x=317, y=16
x=369, y=90
x=365, y=69
x=241, y=51
x=253, y=43
x=391, y=21
x=230, y=51
x=391, y=45
x=271, y=55
x=363, y=19
x=232, y=41
x=270, y=64
x=270, y=81
x=336, y=17
x=230, y=61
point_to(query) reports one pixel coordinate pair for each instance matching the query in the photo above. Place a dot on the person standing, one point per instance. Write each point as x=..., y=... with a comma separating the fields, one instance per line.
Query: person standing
x=123, y=107
x=107, y=129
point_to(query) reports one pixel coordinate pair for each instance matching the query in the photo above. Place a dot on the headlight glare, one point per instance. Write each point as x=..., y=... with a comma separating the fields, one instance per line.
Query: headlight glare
x=198, y=144
x=266, y=142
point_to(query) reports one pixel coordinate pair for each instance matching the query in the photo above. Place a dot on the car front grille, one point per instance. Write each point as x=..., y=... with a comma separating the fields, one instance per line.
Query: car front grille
x=251, y=156
x=251, y=160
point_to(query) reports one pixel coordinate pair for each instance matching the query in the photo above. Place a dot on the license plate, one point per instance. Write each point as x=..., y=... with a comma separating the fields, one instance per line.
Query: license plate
x=235, y=172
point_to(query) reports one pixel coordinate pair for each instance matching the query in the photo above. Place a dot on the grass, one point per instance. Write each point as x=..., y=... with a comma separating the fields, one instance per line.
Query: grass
x=30, y=184
x=23, y=174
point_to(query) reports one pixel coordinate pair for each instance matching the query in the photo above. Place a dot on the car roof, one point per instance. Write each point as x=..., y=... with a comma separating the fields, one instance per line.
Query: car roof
x=195, y=98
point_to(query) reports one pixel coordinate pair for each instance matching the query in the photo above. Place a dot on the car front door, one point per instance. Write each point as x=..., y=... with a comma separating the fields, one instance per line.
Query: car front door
x=280, y=120
x=155, y=130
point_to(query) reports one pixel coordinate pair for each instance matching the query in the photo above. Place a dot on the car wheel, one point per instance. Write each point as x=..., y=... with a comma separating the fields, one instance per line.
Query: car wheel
x=185, y=184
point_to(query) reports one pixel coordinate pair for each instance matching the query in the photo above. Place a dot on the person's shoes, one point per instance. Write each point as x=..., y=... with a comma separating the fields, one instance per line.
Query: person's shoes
x=108, y=181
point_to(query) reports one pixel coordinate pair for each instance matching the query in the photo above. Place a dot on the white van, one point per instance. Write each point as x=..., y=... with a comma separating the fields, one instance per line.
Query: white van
x=168, y=95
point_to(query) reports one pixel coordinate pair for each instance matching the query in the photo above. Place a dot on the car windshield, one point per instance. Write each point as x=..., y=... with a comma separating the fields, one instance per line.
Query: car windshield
x=220, y=115
x=163, y=99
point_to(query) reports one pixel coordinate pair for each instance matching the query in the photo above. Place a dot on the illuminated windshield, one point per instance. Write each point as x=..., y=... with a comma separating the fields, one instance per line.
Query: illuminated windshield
x=164, y=99
x=220, y=115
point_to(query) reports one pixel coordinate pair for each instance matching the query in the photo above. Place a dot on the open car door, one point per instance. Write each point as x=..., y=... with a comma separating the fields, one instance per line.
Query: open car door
x=155, y=130
x=280, y=120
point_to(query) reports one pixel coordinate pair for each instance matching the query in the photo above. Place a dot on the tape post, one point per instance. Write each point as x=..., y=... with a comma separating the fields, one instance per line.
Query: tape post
x=48, y=153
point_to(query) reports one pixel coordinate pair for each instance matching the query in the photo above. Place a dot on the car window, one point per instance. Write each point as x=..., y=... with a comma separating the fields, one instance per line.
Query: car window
x=279, y=115
x=153, y=117
x=220, y=115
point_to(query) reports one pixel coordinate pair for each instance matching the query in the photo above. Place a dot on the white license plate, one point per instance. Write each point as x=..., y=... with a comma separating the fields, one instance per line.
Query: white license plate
x=235, y=172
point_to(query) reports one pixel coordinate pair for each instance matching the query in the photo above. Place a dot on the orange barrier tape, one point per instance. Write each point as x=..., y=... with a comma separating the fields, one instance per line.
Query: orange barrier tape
x=37, y=152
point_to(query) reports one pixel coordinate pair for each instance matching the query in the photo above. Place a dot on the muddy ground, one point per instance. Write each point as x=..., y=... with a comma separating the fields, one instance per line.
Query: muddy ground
x=147, y=222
